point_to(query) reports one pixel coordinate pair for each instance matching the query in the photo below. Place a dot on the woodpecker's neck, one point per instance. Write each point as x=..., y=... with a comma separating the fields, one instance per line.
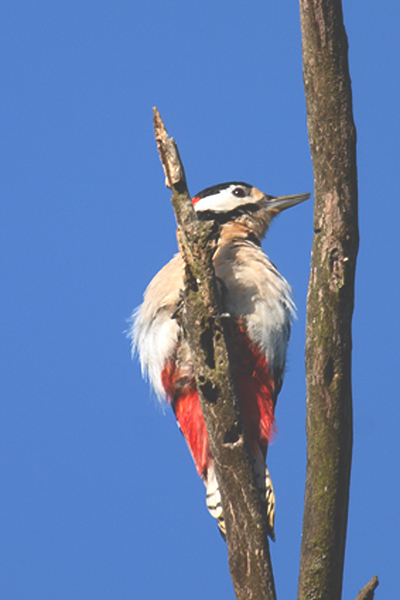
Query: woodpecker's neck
x=249, y=225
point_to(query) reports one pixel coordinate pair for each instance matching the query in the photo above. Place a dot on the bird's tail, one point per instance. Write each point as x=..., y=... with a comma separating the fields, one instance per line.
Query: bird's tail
x=213, y=499
x=264, y=483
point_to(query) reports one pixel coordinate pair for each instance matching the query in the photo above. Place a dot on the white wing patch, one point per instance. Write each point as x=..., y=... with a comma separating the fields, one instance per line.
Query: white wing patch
x=154, y=341
x=154, y=333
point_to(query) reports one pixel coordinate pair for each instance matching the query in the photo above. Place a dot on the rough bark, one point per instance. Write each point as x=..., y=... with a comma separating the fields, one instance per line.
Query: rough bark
x=332, y=137
x=367, y=593
x=208, y=337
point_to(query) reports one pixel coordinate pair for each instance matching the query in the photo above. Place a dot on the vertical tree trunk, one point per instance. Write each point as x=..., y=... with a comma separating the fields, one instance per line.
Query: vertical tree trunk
x=330, y=301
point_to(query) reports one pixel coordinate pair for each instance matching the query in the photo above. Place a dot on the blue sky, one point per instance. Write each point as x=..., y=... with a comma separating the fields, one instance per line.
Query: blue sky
x=99, y=496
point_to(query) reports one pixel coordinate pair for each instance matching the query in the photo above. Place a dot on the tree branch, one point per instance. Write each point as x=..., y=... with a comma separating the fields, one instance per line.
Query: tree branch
x=367, y=593
x=330, y=300
x=208, y=337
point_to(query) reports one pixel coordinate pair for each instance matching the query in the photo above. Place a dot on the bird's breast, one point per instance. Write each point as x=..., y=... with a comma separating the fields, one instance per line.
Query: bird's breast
x=255, y=292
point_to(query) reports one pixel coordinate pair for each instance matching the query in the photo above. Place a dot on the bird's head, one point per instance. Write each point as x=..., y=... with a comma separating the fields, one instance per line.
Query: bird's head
x=237, y=201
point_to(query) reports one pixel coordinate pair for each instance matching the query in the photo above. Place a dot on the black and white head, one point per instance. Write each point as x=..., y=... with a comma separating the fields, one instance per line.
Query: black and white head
x=238, y=201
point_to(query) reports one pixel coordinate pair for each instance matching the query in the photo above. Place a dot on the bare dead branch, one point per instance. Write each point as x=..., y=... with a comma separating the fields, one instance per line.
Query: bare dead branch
x=330, y=300
x=367, y=593
x=208, y=337
x=169, y=154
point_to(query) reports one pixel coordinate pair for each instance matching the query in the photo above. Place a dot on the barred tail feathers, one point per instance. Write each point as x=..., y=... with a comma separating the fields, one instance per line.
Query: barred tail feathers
x=213, y=499
x=256, y=387
x=264, y=484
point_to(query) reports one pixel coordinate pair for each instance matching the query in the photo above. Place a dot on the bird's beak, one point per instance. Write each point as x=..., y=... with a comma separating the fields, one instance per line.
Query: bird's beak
x=280, y=203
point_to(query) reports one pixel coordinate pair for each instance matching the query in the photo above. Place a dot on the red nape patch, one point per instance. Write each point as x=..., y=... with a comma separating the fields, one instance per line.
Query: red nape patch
x=195, y=200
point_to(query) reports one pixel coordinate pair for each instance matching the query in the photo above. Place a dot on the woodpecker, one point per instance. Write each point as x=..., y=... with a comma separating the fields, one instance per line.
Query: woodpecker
x=258, y=300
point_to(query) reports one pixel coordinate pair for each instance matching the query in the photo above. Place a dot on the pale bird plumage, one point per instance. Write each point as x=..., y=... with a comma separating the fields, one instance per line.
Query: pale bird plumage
x=254, y=294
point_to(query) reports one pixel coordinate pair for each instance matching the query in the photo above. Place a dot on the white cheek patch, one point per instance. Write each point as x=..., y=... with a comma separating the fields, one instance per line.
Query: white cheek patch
x=224, y=201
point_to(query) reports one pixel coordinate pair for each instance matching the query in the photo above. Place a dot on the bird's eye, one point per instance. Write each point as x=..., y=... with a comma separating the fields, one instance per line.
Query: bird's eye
x=239, y=192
